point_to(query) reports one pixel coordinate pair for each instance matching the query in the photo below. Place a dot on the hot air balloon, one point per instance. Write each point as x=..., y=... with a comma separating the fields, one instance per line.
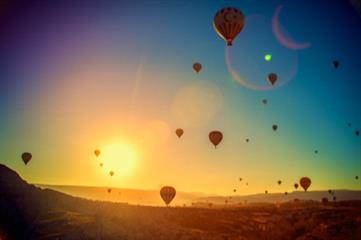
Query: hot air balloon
x=266, y=192
x=274, y=127
x=329, y=191
x=228, y=23
x=356, y=177
x=357, y=133
x=234, y=190
x=197, y=67
x=335, y=64
x=247, y=139
x=316, y=151
x=101, y=164
x=247, y=184
x=240, y=179
x=111, y=173
x=179, y=132
x=296, y=185
x=215, y=137
x=305, y=183
x=97, y=152
x=334, y=198
x=272, y=78
x=109, y=190
x=286, y=193
x=279, y=182
x=264, y=101
x=26, y=156
x=167, y=193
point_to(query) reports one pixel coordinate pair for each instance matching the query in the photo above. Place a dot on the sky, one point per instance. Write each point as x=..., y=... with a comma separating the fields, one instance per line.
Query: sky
x=117, y=76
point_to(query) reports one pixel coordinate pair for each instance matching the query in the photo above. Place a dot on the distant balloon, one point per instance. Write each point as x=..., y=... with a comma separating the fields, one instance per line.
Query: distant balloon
x=109, y=190
x=279, y=182
x=330, y=191
x=296, y=186
x=246, y=184
x=305, y=183
x=316, y=151
x=266, y=192
x=228, y=23
x=334, y=198
x=179, y=132
x=101, y=164
x=357, y=132
x=240, y=179
x=111, y=173
x=197, y=67
x=272, y=78
x=335, y=64
x=26, y=156
x=264, y=101
x=274, y=127
x=167, y=193
x=97, y=152
x=234, y=190
x=356, y=177
x=247, y=139
x=286, y=193
x=215, y=137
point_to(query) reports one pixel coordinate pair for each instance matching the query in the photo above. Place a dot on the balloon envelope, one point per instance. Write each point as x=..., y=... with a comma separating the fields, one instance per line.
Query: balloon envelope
x=279, y=182
x=179, y=132
x=295, y=185
x=97, y=152
x=215, y=137
x=167, y=193
x=272, y=78
x=305, y=183
x=111, y=173
x=197, y=67
x=26, y=156
x=274, y=127
x=228, y=23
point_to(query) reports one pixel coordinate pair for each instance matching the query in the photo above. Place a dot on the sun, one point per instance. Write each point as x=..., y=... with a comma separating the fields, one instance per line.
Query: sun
x=119, y=157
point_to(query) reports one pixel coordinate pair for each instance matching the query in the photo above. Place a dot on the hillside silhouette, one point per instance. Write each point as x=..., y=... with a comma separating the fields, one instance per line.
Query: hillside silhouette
x=29, y=212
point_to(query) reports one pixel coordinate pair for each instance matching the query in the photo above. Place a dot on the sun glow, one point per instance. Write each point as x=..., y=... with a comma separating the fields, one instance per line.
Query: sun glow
x=119, y=157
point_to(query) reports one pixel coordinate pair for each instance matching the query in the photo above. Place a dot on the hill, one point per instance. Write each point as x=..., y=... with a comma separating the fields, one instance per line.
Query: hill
x=28, y=212
x=151, y=197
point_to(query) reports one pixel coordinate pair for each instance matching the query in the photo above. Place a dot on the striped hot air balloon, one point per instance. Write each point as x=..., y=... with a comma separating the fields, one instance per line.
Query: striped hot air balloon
x=167, y=193
x=228, y=23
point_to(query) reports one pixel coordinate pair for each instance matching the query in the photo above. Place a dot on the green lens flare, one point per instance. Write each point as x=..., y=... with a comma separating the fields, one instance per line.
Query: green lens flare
x=268, y=57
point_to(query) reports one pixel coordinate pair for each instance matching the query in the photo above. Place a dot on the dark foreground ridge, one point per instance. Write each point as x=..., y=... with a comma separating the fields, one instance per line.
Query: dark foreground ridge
x=28, y=212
